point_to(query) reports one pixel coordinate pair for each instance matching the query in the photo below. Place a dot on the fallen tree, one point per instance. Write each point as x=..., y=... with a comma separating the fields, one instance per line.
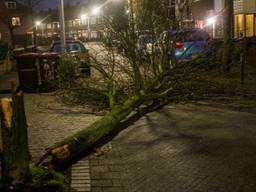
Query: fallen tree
x=72, y=147
x=128, y=80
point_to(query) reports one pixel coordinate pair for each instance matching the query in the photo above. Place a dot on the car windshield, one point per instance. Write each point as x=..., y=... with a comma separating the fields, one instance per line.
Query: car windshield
x=192, y=36
x=70, y=47
x=186, y=36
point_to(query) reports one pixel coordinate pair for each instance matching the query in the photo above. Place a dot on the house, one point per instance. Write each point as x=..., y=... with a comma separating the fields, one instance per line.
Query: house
x=78, y=23
x=9, y=19
x=14, y=22
x=244, y=18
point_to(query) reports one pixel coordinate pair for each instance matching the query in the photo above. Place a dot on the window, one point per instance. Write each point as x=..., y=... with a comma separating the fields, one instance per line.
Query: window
x=55, y=25
x=10, y=5
x=70, y=47
x=249, y=25
x=49, y=26
x=239, y=21
x=15, y=21
x=93, y=20
x=69, y=23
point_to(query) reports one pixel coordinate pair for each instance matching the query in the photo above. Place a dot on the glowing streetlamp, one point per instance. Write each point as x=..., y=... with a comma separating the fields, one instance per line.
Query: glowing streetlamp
x=95, y=10
x=38, y=23
x=85, y=17
x=211, y=21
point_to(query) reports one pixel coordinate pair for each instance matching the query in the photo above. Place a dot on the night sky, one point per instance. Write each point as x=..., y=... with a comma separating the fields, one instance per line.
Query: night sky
x=54, y=3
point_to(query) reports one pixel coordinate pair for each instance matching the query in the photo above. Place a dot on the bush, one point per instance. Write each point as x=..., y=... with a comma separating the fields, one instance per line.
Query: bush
x=68, y=71
x=3, y=50
x=47, y=180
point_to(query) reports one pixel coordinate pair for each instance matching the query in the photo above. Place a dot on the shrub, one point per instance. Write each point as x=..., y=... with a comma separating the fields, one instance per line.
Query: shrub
x=68, y=71
x=47, y=180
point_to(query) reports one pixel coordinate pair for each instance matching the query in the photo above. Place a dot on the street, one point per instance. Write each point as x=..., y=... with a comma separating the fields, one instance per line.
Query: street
x=182, y=148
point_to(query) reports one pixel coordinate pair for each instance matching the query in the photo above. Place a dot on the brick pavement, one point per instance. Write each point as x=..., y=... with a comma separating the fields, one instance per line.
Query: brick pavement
x=181, y=148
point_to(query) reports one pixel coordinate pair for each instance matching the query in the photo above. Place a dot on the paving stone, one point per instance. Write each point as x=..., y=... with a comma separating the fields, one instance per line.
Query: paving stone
x=111, y=175
x=116, y=183
x=113, y=189
x=80, y=175
x=97, y=189
x=101, y=183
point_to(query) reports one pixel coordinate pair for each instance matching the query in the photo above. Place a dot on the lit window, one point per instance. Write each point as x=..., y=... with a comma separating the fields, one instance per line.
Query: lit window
x=239, y=32
x=249, y=25
x=15, y=21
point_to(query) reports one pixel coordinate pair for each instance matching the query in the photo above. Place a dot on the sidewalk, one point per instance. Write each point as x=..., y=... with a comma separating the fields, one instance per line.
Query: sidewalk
x=7, y=79
x=50, y=121
x=181, y=148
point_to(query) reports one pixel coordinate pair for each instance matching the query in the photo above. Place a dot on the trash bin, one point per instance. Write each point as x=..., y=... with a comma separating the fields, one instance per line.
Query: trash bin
x=37, y=72
x=27, y=67
x=48, y=65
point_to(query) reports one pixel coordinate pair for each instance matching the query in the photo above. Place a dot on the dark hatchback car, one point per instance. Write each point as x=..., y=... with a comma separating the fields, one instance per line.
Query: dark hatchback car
x=77, y=49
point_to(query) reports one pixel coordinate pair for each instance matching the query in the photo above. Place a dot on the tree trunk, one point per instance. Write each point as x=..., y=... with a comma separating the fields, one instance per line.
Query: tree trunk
x=227, y=30
x=11, y=29
x=15, y=152
x=72, y=147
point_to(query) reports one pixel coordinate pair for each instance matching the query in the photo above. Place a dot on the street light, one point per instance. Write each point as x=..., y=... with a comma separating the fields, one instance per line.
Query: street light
x=211, y=21
x=86, y=17
x=95, y=10
x=38, y=23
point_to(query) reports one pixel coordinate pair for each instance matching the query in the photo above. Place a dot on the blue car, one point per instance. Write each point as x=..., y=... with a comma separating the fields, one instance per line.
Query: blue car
x=189, y=44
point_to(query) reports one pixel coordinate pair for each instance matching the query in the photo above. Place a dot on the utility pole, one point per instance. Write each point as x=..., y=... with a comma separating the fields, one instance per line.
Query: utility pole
x=62, y=26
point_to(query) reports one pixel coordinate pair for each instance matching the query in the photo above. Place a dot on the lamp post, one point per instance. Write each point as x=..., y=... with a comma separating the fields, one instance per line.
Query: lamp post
x=62, y=26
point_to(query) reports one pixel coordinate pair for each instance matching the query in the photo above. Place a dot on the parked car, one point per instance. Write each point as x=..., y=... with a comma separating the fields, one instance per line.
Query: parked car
x=144, y=42
x=77, y=49
x=189, y=44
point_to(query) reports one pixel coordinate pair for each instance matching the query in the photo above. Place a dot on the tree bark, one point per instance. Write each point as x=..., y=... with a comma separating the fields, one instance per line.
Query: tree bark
x=15, y=152
x=227, y=30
